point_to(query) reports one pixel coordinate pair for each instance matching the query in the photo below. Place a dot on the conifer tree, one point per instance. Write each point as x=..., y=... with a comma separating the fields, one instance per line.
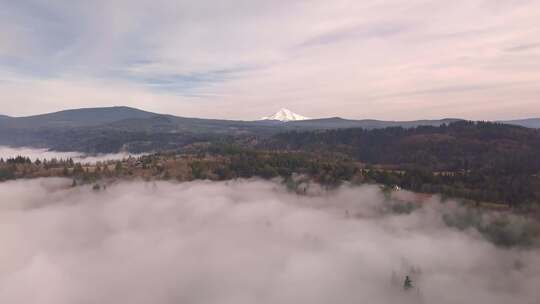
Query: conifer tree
x=408, y=283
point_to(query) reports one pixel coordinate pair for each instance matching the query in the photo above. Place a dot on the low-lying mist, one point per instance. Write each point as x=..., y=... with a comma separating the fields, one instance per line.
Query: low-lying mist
x=245, y=242
x=34, y=153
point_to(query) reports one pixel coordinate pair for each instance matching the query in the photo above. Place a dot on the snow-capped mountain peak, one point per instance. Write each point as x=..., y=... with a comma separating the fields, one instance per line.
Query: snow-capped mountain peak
x=285, y=115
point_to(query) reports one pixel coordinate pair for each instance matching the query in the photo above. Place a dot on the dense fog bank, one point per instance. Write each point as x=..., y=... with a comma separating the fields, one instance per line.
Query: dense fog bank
x=33, y=154
x=245, y=242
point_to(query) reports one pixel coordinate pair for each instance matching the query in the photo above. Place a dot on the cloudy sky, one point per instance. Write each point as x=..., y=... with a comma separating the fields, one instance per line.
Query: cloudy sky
x=243, y=59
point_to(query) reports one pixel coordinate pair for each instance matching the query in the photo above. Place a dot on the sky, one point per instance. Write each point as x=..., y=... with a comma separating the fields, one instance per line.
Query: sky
x=244, y=59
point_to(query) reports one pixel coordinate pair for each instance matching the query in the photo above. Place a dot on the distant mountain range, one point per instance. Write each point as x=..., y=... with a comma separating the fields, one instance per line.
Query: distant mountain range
x=285, y=115
x=126, y=118
x=123, y=128
x=533, y=123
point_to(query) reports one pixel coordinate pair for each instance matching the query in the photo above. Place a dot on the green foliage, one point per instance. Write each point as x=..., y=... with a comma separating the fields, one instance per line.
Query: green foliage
x=78, y=169
x=407, y=283
x=7, y=173
x=118, y=167
x=478, y=160
x=19, y=160
x=198, y=170
x=505, y=230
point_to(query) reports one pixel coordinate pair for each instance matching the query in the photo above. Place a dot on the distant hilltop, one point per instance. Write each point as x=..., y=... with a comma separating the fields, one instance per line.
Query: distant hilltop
x=130, y=118
x=113, y=129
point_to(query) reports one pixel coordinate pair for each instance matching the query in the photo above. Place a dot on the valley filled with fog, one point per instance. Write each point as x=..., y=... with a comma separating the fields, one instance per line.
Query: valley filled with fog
x=251, y=241
x=270, y=152
x=34, y=154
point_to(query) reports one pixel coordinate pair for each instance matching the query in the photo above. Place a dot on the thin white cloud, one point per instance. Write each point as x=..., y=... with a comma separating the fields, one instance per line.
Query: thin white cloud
x=41, y=154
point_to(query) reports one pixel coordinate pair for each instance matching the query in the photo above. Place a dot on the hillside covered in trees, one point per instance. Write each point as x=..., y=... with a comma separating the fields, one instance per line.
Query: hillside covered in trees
x=479, y=160
x=483, y=162
x=457, y=146
x=109, y=130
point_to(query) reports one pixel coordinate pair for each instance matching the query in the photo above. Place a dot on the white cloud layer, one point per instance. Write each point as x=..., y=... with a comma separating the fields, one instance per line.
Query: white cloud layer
x=240, y=59
x=242, y=242
x=33, y=153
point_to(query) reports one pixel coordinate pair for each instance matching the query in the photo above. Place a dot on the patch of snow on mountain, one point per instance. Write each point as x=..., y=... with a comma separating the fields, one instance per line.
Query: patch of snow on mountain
x=285, y=115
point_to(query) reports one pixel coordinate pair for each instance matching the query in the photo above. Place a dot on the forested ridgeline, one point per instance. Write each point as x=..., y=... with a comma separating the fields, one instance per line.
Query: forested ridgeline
x=461, y=145
x=484, y=162
x=213, y=163
x=477, y=160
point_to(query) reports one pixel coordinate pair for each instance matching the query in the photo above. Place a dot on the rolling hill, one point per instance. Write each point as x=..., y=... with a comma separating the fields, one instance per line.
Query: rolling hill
x=76, y=118
x=111, y=129
x=340, y=123
x=528, y=123
x=134, y=119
